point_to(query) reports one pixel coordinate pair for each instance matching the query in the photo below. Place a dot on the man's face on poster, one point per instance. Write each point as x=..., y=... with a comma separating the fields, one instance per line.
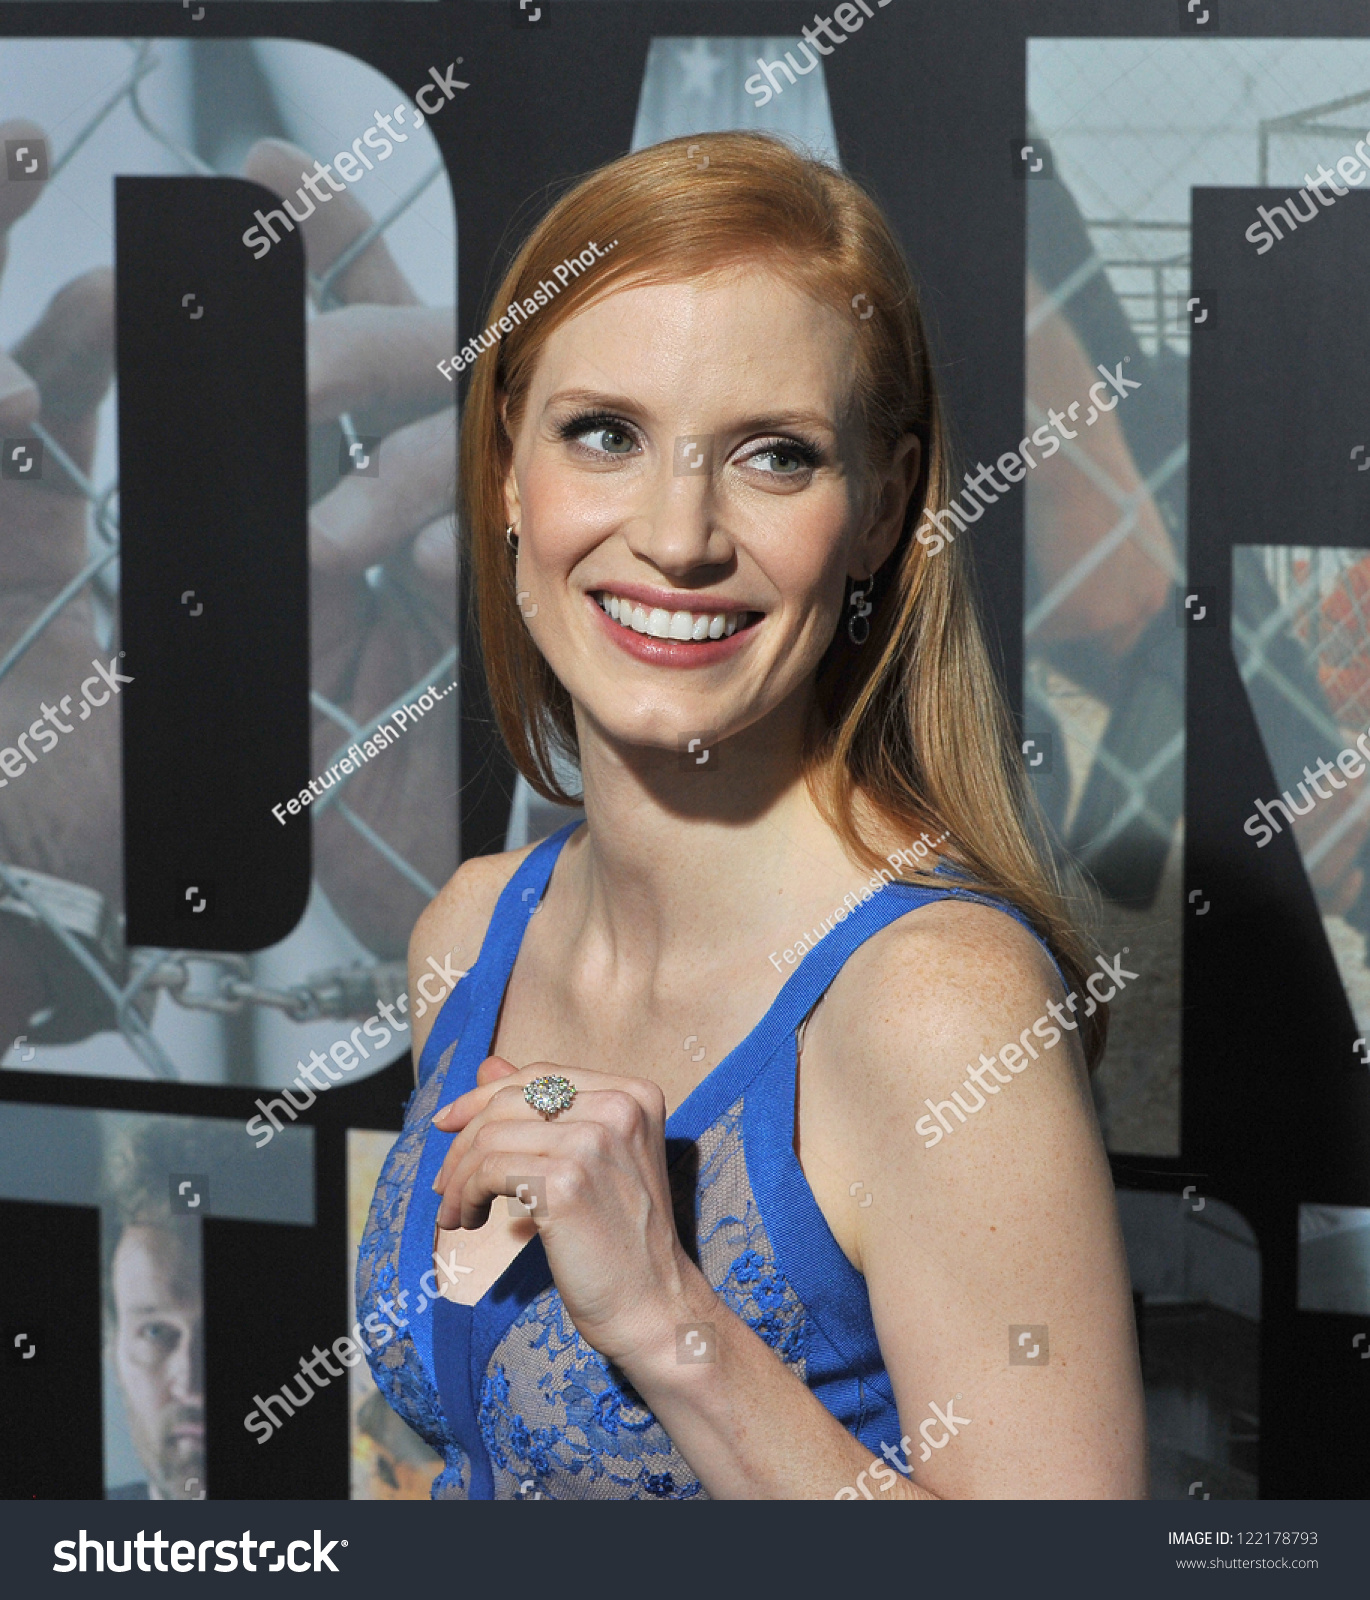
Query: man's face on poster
x=159, y=1355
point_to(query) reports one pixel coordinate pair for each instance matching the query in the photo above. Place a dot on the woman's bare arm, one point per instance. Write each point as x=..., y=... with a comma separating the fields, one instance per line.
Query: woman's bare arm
x=1005, y=1222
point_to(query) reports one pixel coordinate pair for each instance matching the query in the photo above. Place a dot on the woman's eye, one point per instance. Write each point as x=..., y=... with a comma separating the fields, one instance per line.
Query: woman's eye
x=611, y=441
x=784, y=461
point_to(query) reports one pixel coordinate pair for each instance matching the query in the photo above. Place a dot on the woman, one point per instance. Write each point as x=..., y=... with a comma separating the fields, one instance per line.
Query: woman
x=730, y=1261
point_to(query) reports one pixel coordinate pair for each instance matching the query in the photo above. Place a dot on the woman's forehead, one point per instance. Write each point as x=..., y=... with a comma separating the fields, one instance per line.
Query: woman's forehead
x=738, y=330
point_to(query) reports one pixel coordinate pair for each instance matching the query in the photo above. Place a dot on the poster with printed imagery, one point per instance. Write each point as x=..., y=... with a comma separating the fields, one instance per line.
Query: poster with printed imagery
x=285, y=642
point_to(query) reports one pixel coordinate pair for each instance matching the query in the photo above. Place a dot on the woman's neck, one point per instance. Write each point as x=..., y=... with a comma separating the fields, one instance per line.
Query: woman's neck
x=687, y=859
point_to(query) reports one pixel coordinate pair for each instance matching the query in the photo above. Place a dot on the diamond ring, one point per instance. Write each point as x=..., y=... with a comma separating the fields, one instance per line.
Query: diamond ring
x=550, y=1095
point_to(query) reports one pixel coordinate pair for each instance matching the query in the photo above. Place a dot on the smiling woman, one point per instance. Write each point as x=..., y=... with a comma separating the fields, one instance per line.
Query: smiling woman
x=703, y=465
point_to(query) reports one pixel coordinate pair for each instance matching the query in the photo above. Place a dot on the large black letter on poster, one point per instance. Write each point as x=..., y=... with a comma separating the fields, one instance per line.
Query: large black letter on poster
x=1273, y=1108
x=213, y=591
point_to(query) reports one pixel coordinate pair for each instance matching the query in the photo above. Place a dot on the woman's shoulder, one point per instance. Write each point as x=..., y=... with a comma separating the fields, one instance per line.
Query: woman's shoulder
x=959, y=949
x=454, y=921
x=955, y=998
x=934, y=988
x=452, y=927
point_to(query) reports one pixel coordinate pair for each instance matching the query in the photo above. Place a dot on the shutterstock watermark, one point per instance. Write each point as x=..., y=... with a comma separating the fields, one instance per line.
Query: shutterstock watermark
x=261, y=1422
x=350, y=164
x=45, y=729
x=935, y=1126
x=571, y=267
x=347, y=1053
x=1351, y=764
x=884, y=1476
x=1353, y=175
x=381, y=738
x=933, y=533
x=847, y=16
x=181, y=1553
x=351, y=1052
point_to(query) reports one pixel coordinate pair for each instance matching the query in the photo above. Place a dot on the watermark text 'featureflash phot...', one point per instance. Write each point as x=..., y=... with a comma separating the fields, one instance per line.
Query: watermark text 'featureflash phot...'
x=380, y=738
x=522, y=310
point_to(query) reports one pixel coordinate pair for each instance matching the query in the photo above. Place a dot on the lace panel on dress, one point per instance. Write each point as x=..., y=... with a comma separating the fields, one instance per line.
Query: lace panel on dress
x=561, y=1423
x=395, y=1365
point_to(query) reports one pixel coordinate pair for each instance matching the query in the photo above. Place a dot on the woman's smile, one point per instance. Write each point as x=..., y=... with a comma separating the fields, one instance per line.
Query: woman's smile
x=652, y=626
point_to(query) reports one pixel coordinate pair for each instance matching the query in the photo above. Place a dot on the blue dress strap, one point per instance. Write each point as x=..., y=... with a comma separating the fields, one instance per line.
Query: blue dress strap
x=825, y=960
x=477, y=1002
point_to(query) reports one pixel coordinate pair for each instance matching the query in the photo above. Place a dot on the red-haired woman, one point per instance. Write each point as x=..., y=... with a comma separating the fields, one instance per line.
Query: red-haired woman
x=790, y=1159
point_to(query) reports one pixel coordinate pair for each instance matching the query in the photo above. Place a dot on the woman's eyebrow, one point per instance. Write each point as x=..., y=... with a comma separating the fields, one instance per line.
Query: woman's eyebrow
x=766, y=422
x=779, y=421
x=596, y=398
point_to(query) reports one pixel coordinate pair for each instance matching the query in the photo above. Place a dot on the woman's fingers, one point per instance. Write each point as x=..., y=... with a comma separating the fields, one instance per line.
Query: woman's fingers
x=492, y=1069
x=337, y=222
x=495, y=1166
x=491, y=1074
x=571, y=1161
x=468, y=1206
x=465, y=1108
x=494, y=1103
x=611, y=1113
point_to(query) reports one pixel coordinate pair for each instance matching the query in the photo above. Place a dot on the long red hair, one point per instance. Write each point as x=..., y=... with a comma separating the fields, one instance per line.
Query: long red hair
x=911, y=731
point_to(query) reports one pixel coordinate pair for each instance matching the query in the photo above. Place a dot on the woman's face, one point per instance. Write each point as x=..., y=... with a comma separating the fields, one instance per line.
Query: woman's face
x=690, y=491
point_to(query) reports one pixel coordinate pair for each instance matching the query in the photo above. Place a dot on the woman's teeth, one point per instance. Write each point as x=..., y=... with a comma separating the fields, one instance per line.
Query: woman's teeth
x=661, y=624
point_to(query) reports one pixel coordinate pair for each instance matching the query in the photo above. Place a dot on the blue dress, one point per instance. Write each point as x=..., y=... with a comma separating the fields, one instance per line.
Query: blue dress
x=510, y=1396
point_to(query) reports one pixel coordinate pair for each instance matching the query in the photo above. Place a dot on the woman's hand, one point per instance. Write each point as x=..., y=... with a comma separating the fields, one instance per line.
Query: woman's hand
x=604, y=1201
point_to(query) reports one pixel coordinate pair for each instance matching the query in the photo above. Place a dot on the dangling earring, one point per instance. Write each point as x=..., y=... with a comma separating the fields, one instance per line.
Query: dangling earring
x=858, y=625
x=511, y=538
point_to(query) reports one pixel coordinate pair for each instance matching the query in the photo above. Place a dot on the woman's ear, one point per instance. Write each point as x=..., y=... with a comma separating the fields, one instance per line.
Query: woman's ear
x=513, y=512
x=894, y=488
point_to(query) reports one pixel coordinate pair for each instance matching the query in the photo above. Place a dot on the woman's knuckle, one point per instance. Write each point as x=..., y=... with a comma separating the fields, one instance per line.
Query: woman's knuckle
x=594, y=1139
x=621, y=1109
x=568, y=1182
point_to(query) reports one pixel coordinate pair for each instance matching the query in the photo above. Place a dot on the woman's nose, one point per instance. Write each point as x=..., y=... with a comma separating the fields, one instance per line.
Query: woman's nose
x=679, y=527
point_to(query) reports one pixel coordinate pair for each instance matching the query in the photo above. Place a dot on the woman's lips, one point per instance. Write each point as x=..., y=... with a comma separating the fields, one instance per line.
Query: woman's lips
x=676, y=652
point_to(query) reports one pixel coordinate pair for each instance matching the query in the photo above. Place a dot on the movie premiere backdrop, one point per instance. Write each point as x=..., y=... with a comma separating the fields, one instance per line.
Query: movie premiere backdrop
x=242, y=741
